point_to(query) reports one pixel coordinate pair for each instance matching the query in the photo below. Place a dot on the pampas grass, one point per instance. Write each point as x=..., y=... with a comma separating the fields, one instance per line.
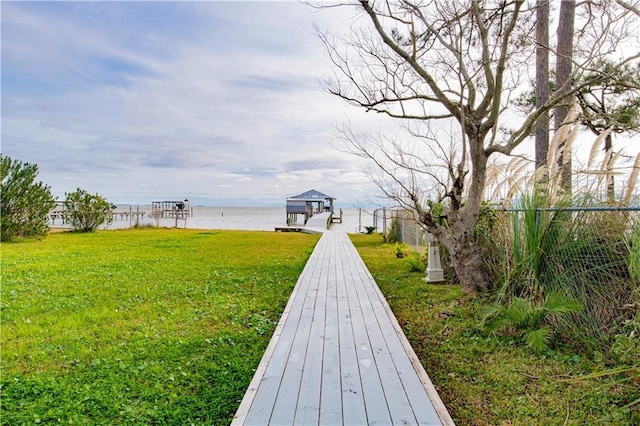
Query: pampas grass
x=544, y=248
x=633, y=180
x=506, y=180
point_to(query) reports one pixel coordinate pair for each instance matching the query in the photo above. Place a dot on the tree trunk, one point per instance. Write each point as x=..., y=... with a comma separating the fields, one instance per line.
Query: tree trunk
x=542, y=83
x=467, y=261
x=564, y=64
x=466, y=256
x=611, y=186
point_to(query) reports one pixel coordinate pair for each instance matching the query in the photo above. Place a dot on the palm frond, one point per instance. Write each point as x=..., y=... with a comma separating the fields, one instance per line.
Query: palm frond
x=539, y=338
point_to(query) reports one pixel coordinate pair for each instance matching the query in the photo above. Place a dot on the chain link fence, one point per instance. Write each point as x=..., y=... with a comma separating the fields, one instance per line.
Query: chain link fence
x=409, y=231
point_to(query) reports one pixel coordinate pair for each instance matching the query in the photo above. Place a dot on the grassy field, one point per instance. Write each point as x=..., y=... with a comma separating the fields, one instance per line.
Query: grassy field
x=150, y=326
x=485, y=380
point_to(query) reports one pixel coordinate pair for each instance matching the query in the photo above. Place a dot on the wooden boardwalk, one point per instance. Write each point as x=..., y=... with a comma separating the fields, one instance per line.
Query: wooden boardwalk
x=338, y=355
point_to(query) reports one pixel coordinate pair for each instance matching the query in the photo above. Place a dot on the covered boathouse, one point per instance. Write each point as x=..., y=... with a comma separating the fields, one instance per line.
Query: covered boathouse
x=307, y=204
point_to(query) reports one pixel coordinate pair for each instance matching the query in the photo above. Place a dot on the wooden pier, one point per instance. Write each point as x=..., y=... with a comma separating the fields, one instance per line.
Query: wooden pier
x=289, y=228
x=115, y=215
x=338, y=355
x=171, y=209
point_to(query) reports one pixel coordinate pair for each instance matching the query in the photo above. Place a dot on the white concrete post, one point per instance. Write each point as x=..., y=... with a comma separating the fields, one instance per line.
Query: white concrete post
x=434, y=267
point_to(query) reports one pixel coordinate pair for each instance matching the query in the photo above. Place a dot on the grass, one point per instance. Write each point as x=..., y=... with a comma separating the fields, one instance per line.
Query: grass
x=149, y=326
x=488, y=380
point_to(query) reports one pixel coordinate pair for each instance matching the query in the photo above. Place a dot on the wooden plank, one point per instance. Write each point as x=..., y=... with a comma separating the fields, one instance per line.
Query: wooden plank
x=414, y=379
x=308, y=406
x=400, y=409
x=331, y=389
x=353, y=406
x=372, y=387
x=285, y=405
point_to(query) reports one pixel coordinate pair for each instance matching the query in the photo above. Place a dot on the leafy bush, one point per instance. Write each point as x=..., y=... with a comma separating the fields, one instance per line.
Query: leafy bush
x=393, y=234
x=400, y=249
x=85, y=212
x=626, y=344
x=416, y=262
x=540, y=250
x=24, y=204
x=531, y=322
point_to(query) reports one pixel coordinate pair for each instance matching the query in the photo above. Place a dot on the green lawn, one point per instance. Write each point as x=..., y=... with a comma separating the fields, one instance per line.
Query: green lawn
x=486, y=380
x=151, y=326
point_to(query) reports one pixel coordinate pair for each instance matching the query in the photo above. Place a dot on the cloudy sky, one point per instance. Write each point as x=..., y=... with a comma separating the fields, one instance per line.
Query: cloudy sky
x=219, y=102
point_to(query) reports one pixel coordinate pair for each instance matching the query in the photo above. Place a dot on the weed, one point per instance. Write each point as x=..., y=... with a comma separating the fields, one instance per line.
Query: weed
x=416, y=262
x=531, y=322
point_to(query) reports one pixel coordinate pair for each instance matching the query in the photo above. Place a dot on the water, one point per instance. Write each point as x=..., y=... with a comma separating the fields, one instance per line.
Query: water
x=239, y=218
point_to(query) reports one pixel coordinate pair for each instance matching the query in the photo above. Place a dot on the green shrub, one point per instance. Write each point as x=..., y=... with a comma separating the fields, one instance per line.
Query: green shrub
x=393, y=234
x=531, y=322
x=626, y=344
x=85, y=212
x=24, y=204
x=582, y=254
x=416, y=262
x=400, y=249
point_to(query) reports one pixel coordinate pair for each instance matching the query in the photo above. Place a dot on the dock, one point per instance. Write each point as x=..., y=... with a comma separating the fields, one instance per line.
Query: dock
x=338, y=354
x=115, y=215
x=302, y=229
x=289, y=228
x=319, y=221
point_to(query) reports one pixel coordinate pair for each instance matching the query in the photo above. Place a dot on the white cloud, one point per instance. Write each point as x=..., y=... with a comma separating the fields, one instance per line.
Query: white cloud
x=217, y=98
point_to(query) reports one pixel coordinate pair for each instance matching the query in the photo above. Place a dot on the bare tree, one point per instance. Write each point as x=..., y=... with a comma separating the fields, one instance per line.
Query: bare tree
x=427, y=62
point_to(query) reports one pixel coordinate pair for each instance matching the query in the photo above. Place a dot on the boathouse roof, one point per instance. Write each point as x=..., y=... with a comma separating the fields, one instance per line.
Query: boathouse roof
x=311, y=195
